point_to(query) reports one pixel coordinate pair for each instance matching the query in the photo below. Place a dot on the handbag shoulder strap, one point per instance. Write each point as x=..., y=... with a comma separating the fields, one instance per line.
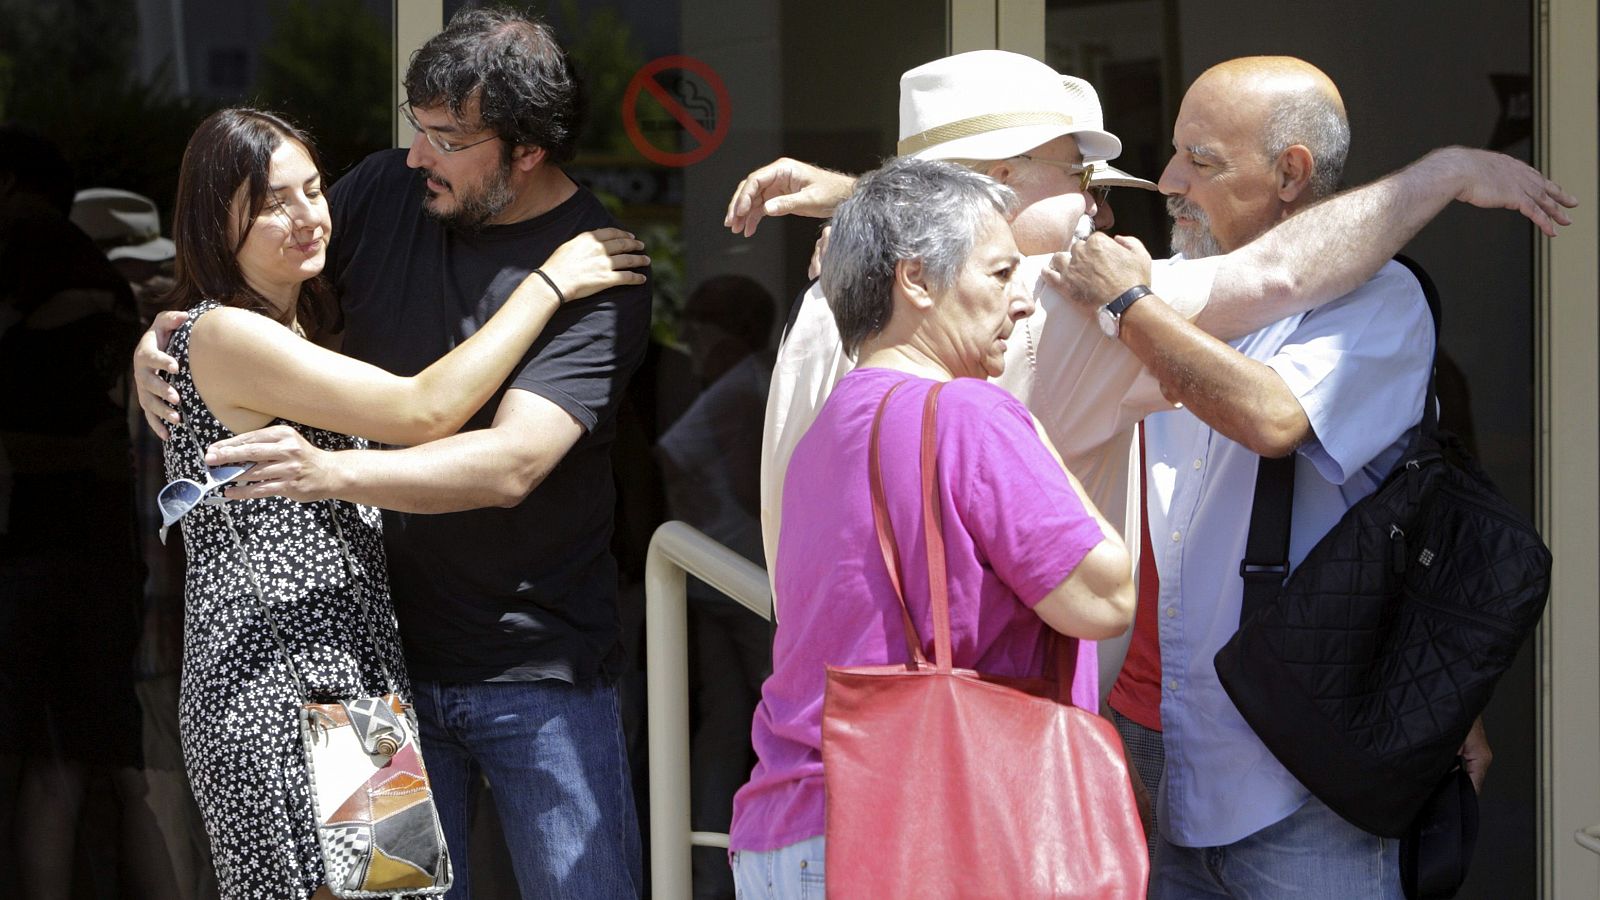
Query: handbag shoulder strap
x=933, y=534
x=1266, y=554
x=1064, y=649
x=885, y=529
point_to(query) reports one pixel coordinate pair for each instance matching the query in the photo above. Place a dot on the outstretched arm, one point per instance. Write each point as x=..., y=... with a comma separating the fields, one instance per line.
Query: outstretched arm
x=251, y=366
x=252, y=370
x=785, y=187
x=1329, y=249
x=1333, y=247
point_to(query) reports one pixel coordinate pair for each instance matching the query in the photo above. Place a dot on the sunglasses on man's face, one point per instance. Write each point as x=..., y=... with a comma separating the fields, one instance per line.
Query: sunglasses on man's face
x=180, y=496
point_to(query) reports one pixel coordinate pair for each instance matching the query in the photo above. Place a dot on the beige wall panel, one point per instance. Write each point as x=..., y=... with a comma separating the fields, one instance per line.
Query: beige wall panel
x=1570, y=482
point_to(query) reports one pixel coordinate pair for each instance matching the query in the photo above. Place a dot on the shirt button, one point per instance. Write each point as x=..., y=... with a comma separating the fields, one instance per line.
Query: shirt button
x=1198, y=464
x=1177, y=536
x=1172, y=611
x=1172, y=684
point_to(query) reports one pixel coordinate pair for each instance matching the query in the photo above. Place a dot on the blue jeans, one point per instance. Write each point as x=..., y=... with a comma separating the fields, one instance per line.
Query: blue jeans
x=1311, y=855
x=554, y=758
x=794, y=872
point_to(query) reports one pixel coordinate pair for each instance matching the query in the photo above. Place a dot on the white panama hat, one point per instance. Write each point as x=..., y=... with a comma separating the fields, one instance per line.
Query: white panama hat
x=1104, y=174
x=992, y=104
x=126, y=224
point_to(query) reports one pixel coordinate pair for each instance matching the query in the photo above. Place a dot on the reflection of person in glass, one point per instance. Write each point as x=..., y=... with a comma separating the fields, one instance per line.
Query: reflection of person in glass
x=69, y=569
x=711, y=466
x=252, y=226
x=127, y=229
x=921, y=275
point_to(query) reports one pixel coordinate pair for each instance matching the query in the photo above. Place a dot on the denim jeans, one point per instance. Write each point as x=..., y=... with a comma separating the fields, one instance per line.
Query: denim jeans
x=1312, y=854
x=794, y=872
x=553, y=755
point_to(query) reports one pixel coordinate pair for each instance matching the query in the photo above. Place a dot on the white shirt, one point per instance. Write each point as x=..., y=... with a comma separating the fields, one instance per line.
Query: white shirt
x=1359, y=367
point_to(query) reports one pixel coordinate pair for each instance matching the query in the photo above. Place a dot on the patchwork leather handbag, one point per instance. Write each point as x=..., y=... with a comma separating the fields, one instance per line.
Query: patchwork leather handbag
x=377, y=824
x=945, y=782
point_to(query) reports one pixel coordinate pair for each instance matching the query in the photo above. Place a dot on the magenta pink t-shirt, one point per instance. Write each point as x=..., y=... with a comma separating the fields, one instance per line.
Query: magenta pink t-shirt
x=1013, y=530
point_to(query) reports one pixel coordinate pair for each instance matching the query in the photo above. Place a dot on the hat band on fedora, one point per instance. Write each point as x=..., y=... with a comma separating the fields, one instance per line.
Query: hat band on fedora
x=977, y=125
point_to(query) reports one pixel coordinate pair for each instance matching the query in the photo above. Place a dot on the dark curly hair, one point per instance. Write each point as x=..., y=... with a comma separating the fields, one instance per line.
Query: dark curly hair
x=526, y=89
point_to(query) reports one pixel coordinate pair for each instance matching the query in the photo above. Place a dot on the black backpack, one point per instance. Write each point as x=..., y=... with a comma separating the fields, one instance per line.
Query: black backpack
x=1364, y=671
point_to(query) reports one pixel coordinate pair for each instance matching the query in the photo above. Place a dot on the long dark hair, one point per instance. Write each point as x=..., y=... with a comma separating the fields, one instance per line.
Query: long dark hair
x=234, y=147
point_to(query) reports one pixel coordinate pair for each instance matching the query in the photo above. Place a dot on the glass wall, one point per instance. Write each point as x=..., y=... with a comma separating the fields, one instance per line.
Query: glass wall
x=1414, y=76
x=104, y=94
x=684, y=99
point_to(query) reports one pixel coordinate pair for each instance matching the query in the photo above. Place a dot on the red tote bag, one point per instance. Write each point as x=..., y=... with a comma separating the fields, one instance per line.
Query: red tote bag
x=944, y=782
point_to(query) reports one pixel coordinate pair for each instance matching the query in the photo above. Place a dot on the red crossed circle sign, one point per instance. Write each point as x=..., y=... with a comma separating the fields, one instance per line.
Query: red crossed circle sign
x=645, y=80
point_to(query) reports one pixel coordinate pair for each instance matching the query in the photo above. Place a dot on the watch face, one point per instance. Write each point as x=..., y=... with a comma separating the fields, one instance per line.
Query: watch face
x=1110, y=324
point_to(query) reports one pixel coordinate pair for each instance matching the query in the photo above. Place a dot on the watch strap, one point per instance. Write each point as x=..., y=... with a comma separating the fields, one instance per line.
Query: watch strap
x=1125, y=299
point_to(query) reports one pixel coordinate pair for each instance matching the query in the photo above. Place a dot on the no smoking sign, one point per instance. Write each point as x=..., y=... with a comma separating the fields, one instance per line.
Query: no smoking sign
x=699, y=107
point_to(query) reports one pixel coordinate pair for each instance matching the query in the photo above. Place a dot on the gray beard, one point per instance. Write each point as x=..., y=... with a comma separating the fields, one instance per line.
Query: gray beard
x=1196, y=241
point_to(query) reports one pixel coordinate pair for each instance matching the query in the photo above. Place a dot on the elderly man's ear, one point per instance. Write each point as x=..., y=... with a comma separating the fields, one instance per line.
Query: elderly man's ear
x=1294, y=170
x=1002, y=171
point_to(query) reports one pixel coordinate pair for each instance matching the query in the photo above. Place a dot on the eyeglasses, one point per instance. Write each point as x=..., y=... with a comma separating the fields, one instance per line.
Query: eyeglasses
x=1084, y=173
x=180, y=496
x=439, y=143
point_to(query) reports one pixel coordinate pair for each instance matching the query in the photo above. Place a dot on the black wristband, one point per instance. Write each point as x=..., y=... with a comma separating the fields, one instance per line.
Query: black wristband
x=548, y=280
x=1125, y=299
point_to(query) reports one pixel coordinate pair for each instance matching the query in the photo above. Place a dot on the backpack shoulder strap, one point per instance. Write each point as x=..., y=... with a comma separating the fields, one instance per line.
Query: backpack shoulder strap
x=1266, y=554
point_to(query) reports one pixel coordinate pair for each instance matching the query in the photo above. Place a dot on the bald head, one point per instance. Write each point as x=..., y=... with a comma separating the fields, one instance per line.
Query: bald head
x=1286, y=101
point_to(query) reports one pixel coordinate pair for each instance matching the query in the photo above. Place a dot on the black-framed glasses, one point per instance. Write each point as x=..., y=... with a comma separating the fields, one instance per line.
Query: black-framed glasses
x=184, y=494
x=1085, y=173
x=439, y=143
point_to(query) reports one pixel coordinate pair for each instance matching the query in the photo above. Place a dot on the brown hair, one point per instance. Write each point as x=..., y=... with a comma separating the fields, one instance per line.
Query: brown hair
x=234, y=147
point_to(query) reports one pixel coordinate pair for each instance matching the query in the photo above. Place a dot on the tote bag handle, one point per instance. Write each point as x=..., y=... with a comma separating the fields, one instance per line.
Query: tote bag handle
x=1063, y=649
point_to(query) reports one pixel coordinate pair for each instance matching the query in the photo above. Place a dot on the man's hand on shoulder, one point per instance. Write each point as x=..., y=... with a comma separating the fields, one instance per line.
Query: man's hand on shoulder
x=1099, y=269
x=785, y=187
x=157, y=398
x=286, y=465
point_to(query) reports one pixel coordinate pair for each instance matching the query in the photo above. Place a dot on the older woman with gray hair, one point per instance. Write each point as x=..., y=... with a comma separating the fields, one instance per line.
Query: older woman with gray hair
x=920, y=273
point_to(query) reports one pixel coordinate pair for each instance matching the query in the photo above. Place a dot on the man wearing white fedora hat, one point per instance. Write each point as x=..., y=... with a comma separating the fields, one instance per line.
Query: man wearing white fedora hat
x=1090, y=418
x=1031, y=128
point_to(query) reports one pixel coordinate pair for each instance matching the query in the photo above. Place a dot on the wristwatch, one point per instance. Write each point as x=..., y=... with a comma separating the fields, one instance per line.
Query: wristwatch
x=1111, y=314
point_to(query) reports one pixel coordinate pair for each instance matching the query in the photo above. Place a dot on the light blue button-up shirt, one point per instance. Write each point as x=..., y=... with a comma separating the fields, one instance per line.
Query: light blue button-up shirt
x=1359, y=367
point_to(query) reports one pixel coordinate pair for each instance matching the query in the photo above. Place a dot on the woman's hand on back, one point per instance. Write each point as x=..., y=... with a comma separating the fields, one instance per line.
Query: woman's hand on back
x=594, y=261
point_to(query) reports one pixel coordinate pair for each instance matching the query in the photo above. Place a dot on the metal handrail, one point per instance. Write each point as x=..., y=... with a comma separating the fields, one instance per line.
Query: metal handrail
x=675, y=549
x=1589, y=837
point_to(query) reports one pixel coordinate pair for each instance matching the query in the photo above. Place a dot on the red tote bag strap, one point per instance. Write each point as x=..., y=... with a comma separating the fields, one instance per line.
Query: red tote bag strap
x=1064, y=649
x=933, y=533
x=885, y=529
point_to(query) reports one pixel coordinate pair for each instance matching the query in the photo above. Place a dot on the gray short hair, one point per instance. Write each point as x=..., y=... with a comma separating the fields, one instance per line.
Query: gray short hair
x=1310, y=118
x=919, y=209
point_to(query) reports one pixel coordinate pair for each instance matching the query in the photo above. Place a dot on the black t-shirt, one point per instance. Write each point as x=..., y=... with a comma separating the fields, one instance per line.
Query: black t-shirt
x=493, y=594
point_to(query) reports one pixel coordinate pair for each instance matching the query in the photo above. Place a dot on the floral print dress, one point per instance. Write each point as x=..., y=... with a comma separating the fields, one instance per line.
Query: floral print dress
x=239, y=704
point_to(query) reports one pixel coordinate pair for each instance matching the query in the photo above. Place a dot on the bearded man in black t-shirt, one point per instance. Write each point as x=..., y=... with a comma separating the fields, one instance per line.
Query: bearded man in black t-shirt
x=506, y=589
